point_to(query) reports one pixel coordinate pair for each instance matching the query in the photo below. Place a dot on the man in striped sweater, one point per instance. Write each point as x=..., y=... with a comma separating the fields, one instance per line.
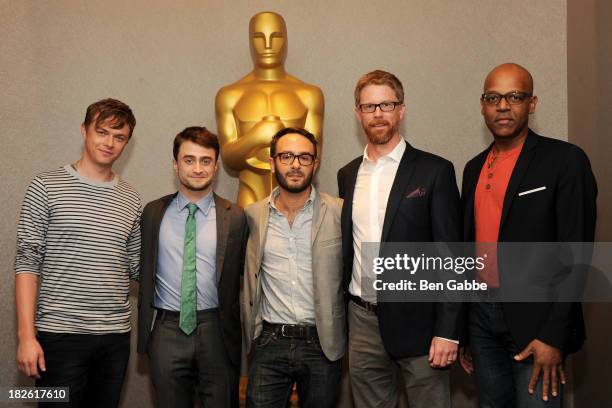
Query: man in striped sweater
x=78, y=244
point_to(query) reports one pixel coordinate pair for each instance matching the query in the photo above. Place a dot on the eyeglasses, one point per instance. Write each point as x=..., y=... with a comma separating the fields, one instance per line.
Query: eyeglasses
x=287, y=158
x=513, y=98
x=384, y=106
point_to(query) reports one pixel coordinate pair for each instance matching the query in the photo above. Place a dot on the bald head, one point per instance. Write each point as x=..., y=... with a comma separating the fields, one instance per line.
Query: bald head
x=510, y=72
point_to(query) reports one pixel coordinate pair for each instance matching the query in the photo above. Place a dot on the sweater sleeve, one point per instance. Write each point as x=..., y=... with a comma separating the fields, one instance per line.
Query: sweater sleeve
x=32, y=229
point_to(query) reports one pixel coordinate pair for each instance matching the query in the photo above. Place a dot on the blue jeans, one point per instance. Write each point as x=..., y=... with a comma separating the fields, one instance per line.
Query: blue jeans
x=279, y=362
x=502, y=381
x=92, y=366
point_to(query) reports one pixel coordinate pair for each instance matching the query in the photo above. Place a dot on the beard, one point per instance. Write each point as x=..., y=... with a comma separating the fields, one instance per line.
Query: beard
x=281, y=179
x=374, y=134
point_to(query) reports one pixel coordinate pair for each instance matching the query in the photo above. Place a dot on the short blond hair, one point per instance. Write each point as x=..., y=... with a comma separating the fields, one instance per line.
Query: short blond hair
x=379, y=77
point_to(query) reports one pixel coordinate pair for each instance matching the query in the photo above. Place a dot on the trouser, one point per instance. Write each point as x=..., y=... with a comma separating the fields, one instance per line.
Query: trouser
x=91, y=366
x=278, y=362
x=375, y=376
x=502, y=381
x=183, y=365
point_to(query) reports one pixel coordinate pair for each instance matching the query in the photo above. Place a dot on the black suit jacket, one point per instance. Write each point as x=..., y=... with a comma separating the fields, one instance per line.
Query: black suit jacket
x=565, y=211
x=407, y=328
x=231, y=239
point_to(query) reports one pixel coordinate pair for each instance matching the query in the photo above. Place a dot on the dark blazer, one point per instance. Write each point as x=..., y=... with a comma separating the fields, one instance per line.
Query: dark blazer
x=565, y=211
x=432, y=215
x=231, y=239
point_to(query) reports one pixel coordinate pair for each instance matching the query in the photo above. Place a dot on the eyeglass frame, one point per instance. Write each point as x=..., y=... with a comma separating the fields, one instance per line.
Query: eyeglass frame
x=379, y=106
x=505, y=96
x=296, y=156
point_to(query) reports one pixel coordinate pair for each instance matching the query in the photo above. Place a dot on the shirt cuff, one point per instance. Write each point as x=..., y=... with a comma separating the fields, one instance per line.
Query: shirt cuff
x=451, y=340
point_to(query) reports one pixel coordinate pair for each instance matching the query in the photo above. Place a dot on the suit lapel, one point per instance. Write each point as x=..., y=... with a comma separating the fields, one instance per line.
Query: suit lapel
x=347, y=207
x=223, y=222
x=264, y=216
x=402, y=178
x=158, y=215
x=470, y=192
x=318, y=213
x=518, y=173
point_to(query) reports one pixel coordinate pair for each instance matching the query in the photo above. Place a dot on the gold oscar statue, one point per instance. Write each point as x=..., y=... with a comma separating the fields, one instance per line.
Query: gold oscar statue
x=250, y=111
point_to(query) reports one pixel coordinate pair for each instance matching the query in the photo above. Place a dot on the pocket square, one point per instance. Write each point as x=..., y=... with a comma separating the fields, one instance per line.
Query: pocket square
x=533, y=190
x=419, y=192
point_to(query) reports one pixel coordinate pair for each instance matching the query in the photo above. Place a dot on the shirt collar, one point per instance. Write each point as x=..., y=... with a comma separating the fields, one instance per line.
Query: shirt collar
x=395, y=154
x=276, y=192
x=204, y=204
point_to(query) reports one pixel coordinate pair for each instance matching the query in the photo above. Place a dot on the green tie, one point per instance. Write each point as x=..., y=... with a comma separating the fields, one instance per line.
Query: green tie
x=187, y=322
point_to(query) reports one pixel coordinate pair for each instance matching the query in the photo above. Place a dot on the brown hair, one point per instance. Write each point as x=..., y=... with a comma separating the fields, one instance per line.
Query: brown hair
x=198, y=135
x=112, y=109
x=379, y=77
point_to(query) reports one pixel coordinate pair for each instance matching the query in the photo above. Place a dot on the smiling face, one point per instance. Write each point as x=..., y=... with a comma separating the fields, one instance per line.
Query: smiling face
x=380, y=127
x=268, y=38
x=103, y=143
x=506, y=121
x=195, y=167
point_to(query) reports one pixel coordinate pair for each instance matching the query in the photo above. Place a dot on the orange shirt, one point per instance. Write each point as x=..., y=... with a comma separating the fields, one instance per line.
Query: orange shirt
x=488, y=205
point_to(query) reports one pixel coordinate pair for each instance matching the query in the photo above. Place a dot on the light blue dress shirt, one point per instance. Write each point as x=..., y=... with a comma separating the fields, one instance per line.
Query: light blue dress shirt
x=170, y=254
x=286, y=267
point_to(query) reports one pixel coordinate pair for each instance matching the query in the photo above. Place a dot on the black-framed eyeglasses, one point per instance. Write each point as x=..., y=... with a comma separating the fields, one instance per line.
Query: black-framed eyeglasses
x=513, y=98
x=384, y=106
x=287, y=158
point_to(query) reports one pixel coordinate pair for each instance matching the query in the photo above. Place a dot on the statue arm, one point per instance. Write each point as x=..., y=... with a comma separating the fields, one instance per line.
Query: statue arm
x=236, y=148
x=314, y=101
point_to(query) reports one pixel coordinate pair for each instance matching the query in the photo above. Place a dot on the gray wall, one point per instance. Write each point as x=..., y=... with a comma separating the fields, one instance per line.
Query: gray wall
x=589, y=57
x=167, y=61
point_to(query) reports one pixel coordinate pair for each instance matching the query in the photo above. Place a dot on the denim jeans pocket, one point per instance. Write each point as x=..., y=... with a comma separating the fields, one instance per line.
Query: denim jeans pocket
x=265, y=338
x=315, y=344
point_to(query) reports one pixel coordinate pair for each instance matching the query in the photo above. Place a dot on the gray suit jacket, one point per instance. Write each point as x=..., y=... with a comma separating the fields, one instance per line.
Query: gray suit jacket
x=231, y=234
x=326, y=238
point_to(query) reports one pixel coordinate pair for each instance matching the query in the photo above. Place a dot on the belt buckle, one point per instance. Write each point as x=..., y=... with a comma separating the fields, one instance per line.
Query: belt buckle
x=283, y=330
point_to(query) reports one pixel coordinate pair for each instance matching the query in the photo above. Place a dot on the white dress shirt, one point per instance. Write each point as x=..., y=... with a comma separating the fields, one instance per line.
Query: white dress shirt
x=372, y=188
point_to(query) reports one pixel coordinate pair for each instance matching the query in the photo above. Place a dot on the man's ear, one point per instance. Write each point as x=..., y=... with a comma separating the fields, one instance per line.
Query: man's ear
x=272, y=164
x=402, y=110
x=532, y=104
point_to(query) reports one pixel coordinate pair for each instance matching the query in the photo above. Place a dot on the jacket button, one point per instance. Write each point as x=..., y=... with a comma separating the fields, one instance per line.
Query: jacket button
x=255, y=276
x=251, y=303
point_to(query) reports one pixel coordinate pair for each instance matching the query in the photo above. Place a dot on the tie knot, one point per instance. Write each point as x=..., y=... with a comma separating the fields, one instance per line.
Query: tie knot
x=192, y=208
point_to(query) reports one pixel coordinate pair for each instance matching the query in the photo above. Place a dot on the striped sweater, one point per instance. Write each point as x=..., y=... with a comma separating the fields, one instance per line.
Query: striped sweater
x=82, y=238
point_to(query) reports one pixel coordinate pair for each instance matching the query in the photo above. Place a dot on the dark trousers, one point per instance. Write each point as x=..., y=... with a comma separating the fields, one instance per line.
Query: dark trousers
x=92, y=366
x=502, y=381
x=182, y=365
x=278, y=362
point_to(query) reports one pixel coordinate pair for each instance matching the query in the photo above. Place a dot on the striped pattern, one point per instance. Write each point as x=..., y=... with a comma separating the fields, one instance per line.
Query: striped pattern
x=83, y=240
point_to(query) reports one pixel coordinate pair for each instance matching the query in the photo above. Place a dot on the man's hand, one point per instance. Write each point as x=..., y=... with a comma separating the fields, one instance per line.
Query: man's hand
x=465, y=359
x=442, y=352
x=30, y=357
x=548, y=361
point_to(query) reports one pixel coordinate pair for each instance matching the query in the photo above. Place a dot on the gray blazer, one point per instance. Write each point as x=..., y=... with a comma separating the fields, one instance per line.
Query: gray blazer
x=326, y=238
